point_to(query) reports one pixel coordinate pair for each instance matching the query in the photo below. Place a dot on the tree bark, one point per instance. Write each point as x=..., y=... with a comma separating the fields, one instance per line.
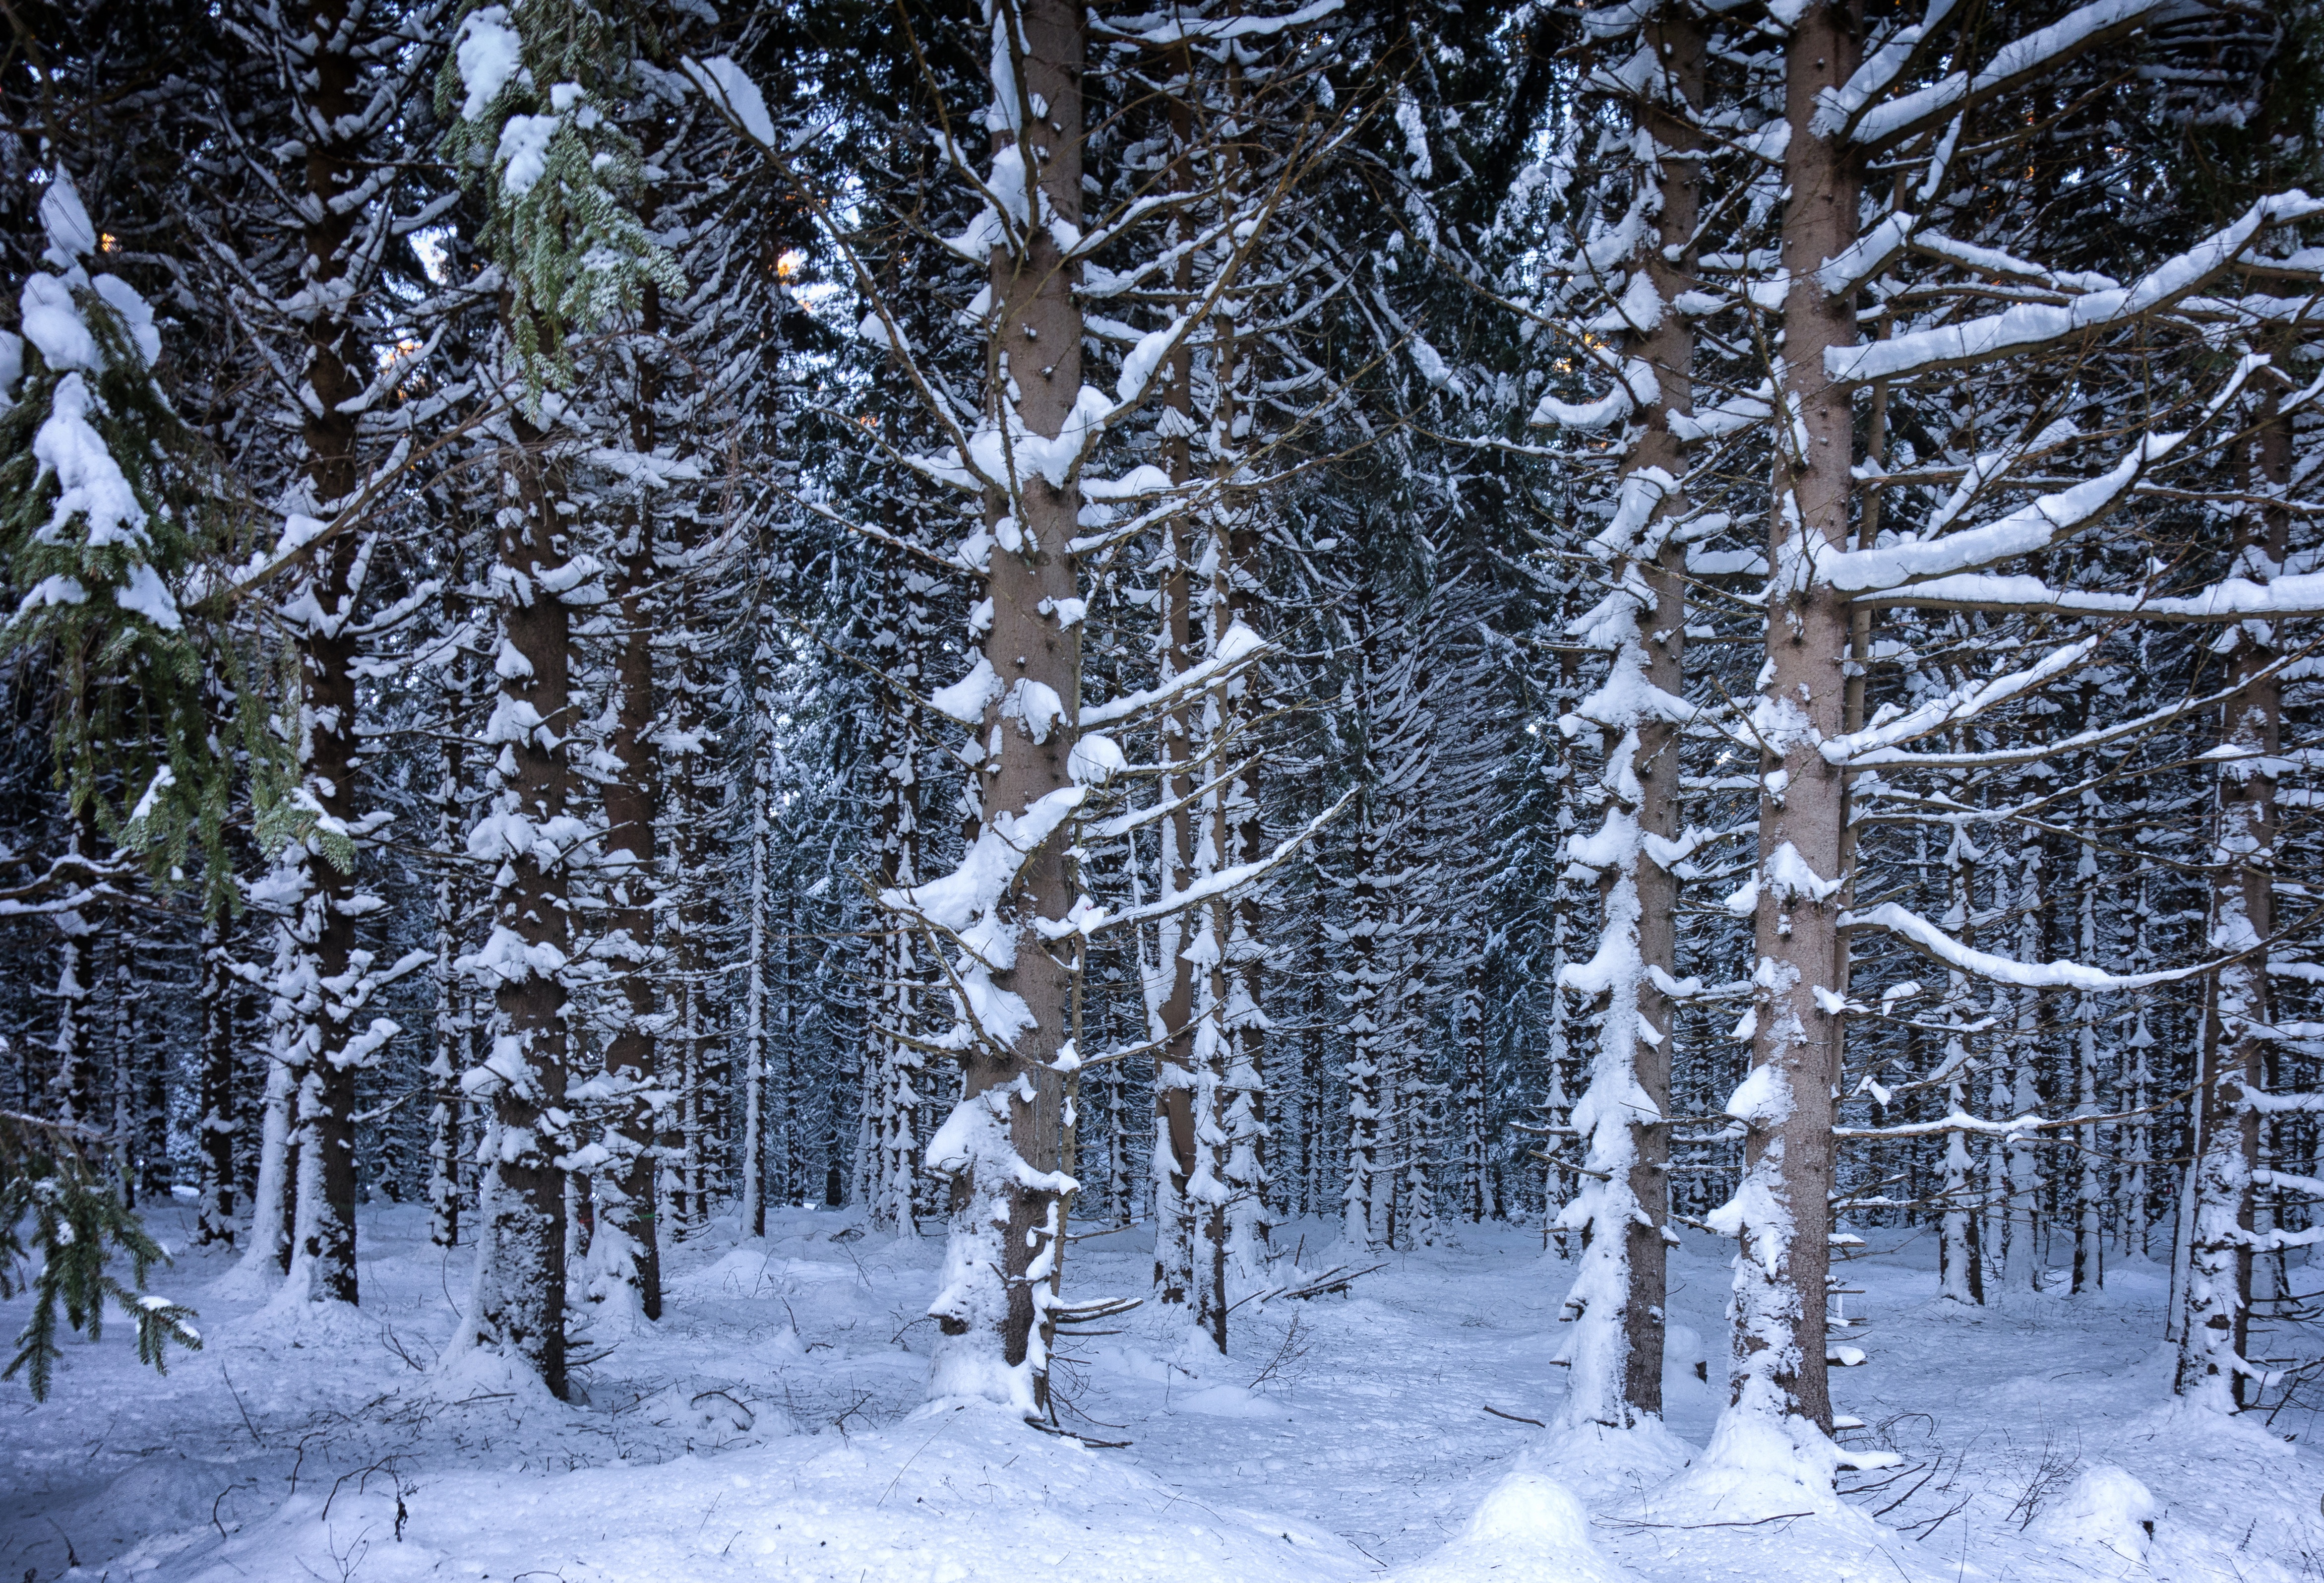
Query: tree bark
x=2214, y=1341
x=323, y=611
x=521, y=1305
x=1034, y=649
x=1786, y=1104
x=626, y=1180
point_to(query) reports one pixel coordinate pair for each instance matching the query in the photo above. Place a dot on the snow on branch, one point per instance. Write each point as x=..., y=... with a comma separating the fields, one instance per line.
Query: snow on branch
x=2232, y=600
x=1225, y=883
x=1239, y=647
x=2015, y=65
x=2032, y=326
x=1918, y=931
x=2082, y=742
x=2035, y=527
x=1961, y=703
x=1172, y=29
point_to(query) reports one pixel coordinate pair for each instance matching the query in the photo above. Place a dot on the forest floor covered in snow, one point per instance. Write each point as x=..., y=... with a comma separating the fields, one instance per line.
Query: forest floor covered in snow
x=772, y=1426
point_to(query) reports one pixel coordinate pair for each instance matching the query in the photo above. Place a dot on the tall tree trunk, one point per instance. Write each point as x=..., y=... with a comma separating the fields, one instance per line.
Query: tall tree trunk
x=2214, y=1341
x=1175, y=1215
x=321, y=615
x=1617, y=1347
x=520, y=1259
x=1006, y=1144
x=214, y=1131
x=625, y=1248
x=455, y=1027
x=1781, y=1211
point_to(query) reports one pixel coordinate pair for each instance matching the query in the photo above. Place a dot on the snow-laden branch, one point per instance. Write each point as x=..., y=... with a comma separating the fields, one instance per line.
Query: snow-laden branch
x=990, y=866
x=1963, y=703
x=2082, y=742
x=1168, y=29
x=1636, y=385
x=1918, y=931
x=2015, y=65
x=1226, y=882
x=2233, y=599
x=2032, y=327
x=1238, y=647
x=2035, y=527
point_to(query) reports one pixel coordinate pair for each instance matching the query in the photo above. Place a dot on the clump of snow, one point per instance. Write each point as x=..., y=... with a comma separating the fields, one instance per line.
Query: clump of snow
x=488, y=53
x=65, y=221
x=964, y=699
x=145, y=594
x=731, y=88
x=135, y=312
x=525, y=151
x=2105, y=1506
x=1529, y=1530
x=90, y=482
x=53, y=324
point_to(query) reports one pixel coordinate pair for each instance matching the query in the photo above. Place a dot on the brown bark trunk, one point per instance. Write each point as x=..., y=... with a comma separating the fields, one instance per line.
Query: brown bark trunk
x=1174, y=1078
x=1677, y=44
x=218, y=1124
x=327, y=1098
x=1036, y=367
x=522, y=1305
x=2235, y=1044
x=633, y=802
x=1797, y=1042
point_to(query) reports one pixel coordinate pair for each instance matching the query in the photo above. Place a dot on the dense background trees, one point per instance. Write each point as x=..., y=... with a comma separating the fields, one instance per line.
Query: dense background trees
x=1224, y=617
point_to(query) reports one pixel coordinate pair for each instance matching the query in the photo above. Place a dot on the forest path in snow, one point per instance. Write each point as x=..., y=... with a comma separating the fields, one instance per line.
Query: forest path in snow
x=771, y=1427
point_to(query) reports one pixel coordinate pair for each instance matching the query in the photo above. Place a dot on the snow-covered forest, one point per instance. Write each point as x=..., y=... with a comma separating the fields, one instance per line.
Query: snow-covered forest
x=910, y=789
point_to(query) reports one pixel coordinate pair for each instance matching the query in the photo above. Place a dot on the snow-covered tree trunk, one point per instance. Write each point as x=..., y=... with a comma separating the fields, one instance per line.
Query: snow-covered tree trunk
x=1616, y=1348
x=2213, y=1366
x=764, y=765
x=1004, y=1145
x=73, y=1081
x=1248, y=1166
x=895, y=1185
x=217, y=1118
x=2090, y=1184
x=1960, y=1264
x=318, y=50
x=1781, y=1402
x=2136, y=1136
x=2021, y=1257
x=453, y=1050
x=520, y=1301
x=625, y=1246
x=1176, y=1216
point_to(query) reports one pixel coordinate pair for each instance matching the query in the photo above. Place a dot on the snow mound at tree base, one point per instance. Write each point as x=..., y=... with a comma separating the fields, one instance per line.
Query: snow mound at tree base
x=2105, y=1506
x=1530, y=1529
x=952, y=1495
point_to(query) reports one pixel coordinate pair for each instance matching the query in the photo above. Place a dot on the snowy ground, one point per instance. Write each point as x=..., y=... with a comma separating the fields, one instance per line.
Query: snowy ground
x=771, y=1427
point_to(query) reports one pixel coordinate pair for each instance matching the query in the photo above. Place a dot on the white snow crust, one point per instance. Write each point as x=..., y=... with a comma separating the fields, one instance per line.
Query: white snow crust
x=774, y=1425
